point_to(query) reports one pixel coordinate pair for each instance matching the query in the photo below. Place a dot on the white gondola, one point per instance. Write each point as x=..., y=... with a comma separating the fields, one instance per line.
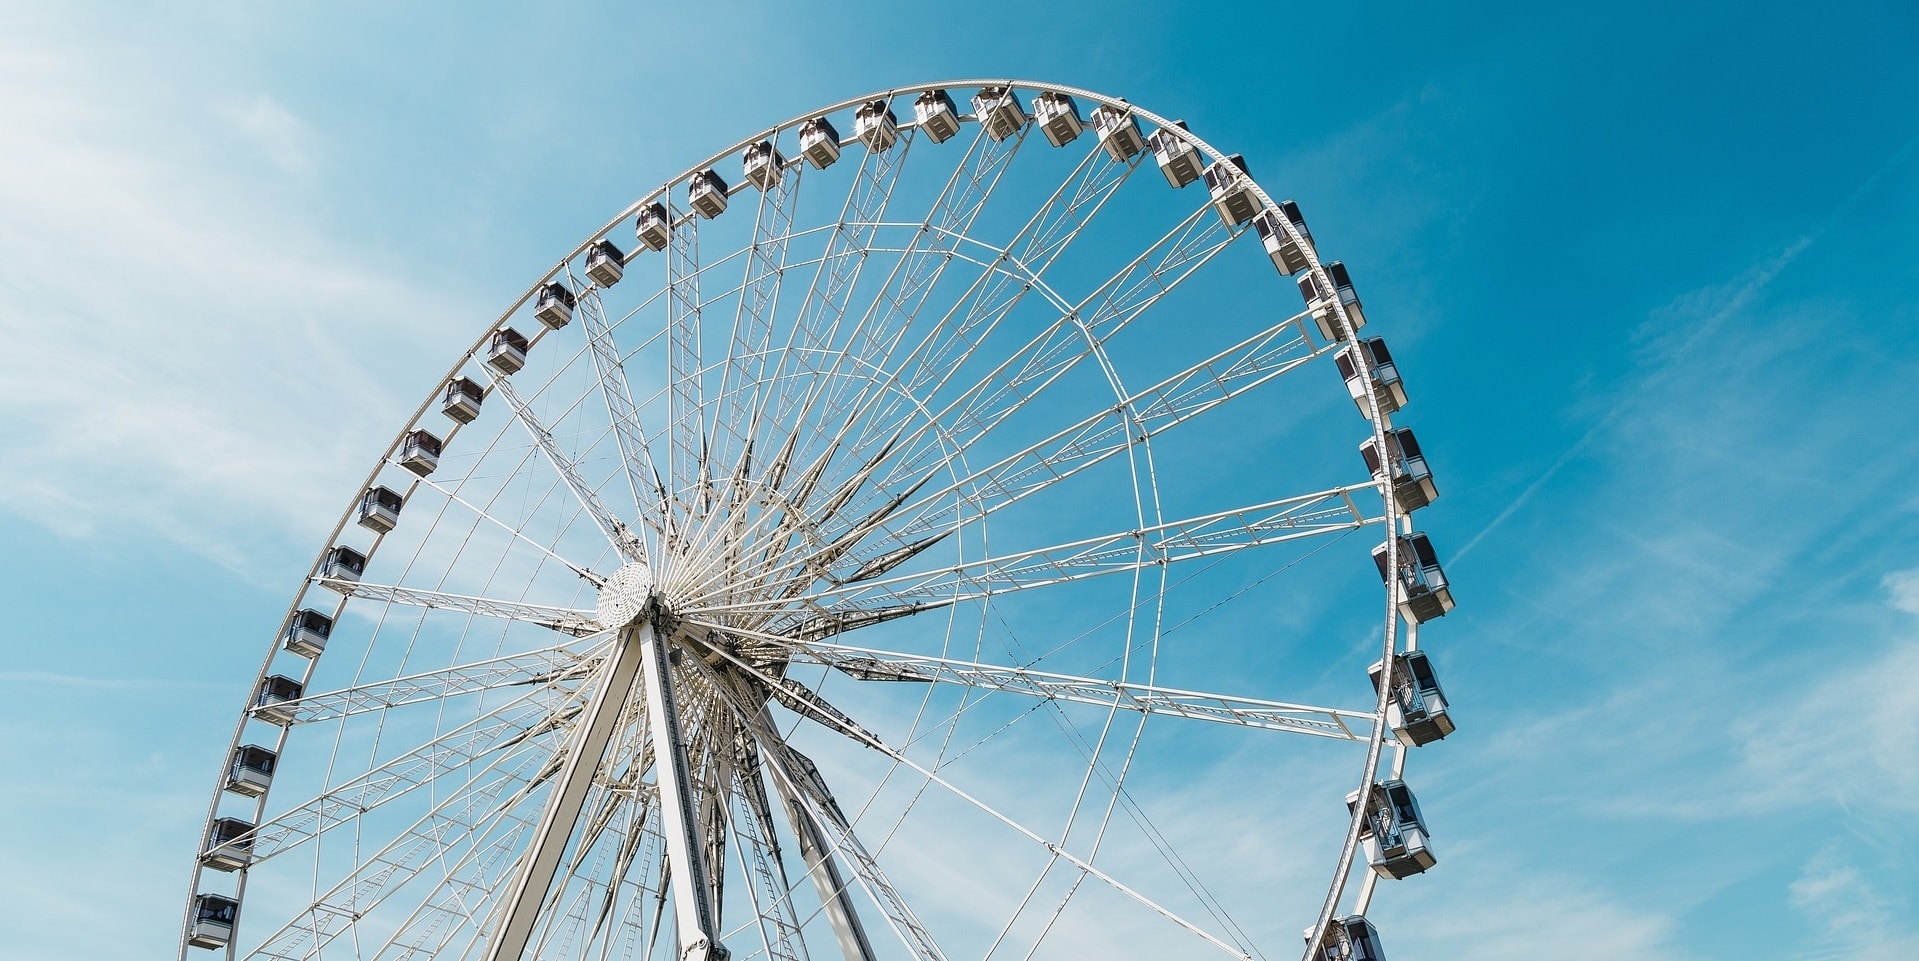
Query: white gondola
x=1286, y=252
x=1379, y=369
x=273, y=703
x=1393, y=835
x=1417, y=710
x=605, y=263
x=420, y=452
x=819, y=143
x=999, y=112
x=652, y=227
x=1424, y=593
x=462, y=400
x=1412, y=480
x=1319, y=300
x=507, y=352
x=343, y=564
x=936, y=115
x=763, y=166
x=1232, y=191
x=707, y=193
x=554, y=305
x=380, y=509
x=1118, y=132
x=1178, y=158
x=876, y=125
x=307, y=630
x=212, y=921
x=227, y=846
x=1058, y=118
x=251, y=770
x=1351, y=938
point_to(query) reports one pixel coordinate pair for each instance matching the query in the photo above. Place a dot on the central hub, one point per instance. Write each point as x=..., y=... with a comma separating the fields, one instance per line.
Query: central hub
x=625, y=595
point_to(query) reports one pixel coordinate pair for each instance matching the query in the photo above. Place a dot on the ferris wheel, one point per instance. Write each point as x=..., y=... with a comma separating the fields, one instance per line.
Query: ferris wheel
x=855, y=549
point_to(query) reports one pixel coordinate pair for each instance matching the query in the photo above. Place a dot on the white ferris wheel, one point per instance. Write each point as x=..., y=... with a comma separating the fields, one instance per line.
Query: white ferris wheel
x=844, y=553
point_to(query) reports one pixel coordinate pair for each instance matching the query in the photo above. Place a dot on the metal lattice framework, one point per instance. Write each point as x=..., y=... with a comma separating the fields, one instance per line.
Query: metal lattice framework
x=733, y=612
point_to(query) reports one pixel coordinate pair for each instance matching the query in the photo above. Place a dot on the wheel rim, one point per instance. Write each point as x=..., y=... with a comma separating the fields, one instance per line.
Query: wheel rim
x=477, y=625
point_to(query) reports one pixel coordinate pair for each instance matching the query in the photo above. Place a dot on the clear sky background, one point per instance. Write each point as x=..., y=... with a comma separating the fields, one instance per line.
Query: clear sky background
x=1651, y=270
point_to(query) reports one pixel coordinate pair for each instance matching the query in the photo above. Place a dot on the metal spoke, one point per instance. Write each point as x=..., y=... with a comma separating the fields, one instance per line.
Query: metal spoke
x=643, y=476
x=512, y=726
x=615, y=529
x=381, y=875
x=1074, y=336
x=913, y=277
x=1018, y=269
x=749, y=352
x=461, y=900
x=929, y=255
x=550, y=666
x=585, y=573
x=862, y=859
x=838, y=272
x=1042, y=361
x=1144, y=698
x=1291, y=518
x=1148, y=413
x=563, y=619
x=686, y=414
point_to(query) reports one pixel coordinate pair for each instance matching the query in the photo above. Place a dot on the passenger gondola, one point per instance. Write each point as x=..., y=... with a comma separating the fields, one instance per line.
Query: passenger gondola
x=307, y=631
x=605, y=263
x=462, y=400
x=272, y=703
x=1424, y=594
x=819, y=143
x=1287, y=253
x=554, y=305
x=936, y=115
x=1393, y=835
x=506, y=353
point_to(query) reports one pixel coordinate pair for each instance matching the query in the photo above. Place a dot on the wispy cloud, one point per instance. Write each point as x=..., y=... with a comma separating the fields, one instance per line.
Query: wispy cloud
x=1850, y=733
x=52, y=679
x=1507, y=913
x=1860, y=921
x=282, y=138
x=1678, y=332
x=1902, y=588
x=198, y=363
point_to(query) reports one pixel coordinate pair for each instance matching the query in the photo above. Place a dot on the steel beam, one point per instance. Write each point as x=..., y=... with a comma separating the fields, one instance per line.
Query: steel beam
x=685, y=844
x=520, y=908
x=834, y=891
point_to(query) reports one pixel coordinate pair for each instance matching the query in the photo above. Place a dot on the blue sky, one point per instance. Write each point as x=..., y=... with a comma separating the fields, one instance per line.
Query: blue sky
x=1649, y=270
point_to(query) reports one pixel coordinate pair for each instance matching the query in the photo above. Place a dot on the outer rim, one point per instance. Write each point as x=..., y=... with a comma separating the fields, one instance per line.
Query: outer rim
x=1394, y=518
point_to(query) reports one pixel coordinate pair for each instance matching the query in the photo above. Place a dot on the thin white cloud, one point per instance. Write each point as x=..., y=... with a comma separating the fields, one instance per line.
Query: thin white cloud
x=1860, y=921
x=283, y=138
x=1506, y=914
x=1851, y=731
x=1692, y=322
x=53, y=679
x=192, y=360
x=1903, y=588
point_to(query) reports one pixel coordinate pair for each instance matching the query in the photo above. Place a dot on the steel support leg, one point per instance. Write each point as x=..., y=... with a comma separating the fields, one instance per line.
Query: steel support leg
x=834, y=891
x=520, y=908
x=685, y=847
